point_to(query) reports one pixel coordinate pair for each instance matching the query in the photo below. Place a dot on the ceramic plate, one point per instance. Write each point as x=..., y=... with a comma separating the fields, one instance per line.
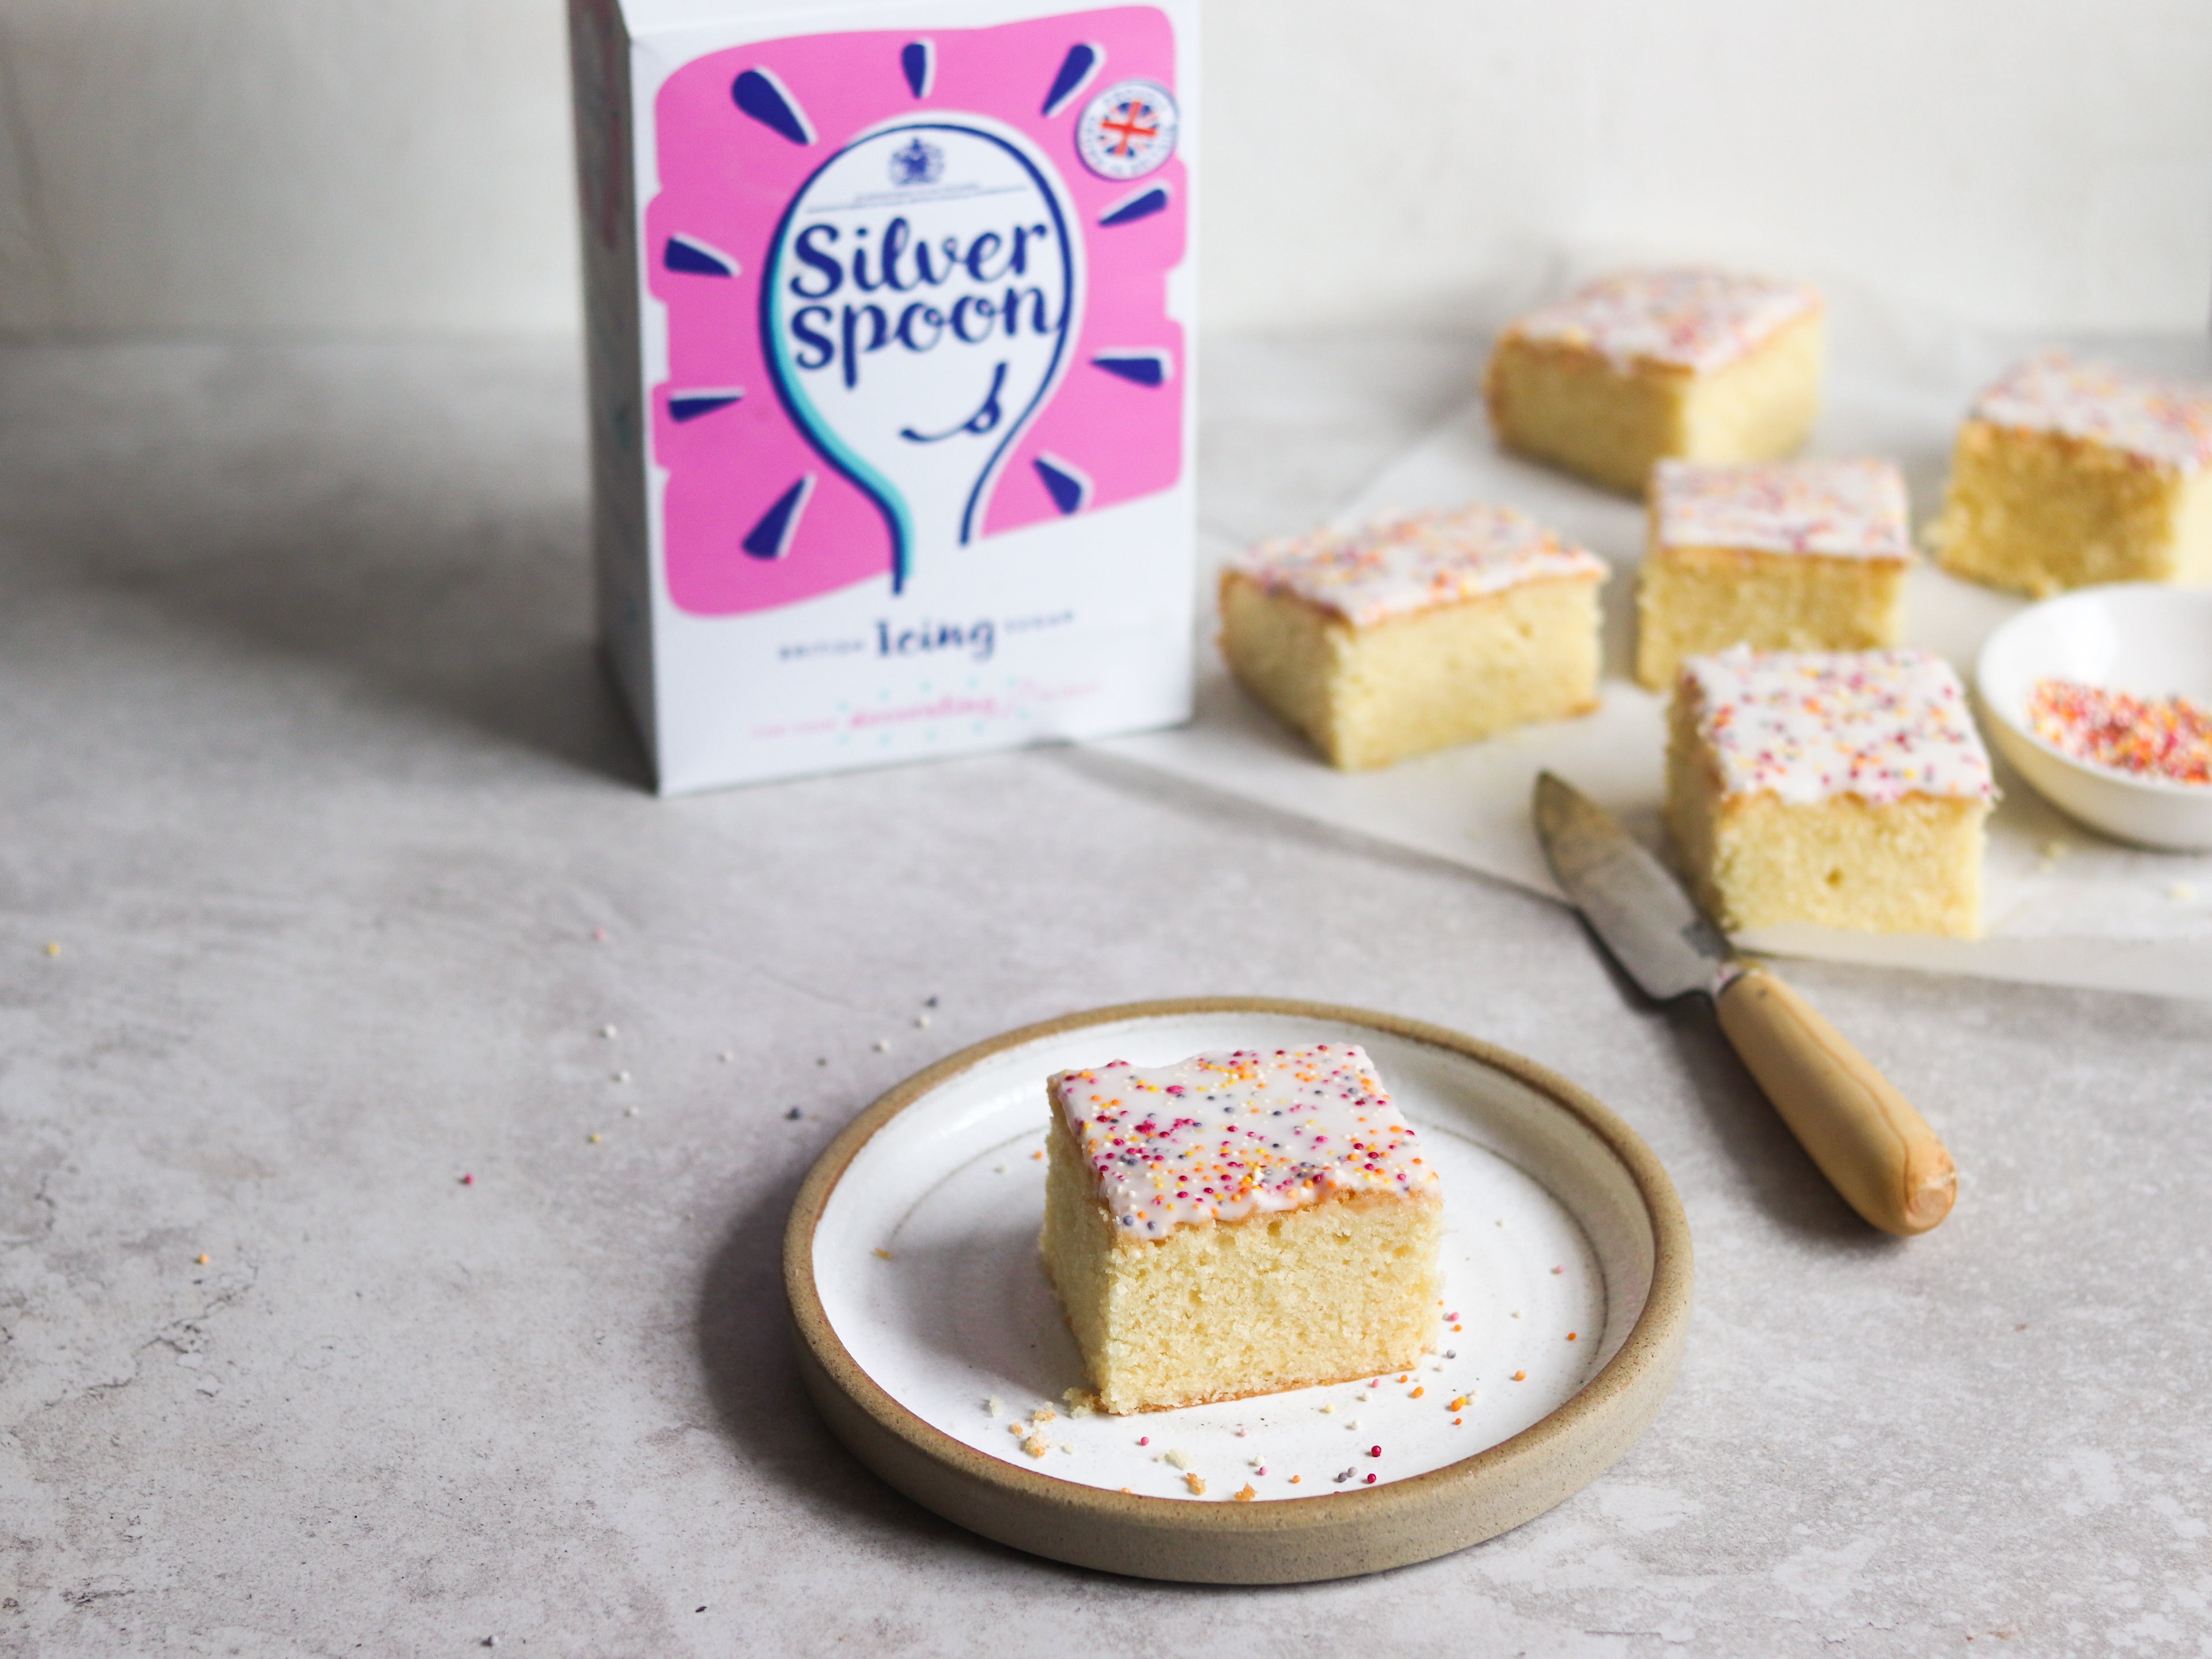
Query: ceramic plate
x=931, y=1338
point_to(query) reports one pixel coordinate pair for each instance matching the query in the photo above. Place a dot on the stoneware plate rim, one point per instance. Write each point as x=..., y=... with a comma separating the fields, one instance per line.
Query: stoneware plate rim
x=1643, y=1367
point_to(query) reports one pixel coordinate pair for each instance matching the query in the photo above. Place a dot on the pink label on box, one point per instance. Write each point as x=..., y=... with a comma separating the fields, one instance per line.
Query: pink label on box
x=916, y=285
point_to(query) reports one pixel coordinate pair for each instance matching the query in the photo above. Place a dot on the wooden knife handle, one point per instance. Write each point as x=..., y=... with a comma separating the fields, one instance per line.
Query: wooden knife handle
x=1879, y=1152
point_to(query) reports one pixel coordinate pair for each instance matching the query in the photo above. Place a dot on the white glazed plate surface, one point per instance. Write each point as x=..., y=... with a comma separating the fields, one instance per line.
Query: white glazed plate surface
x=926, y=1263
x=2146, y=638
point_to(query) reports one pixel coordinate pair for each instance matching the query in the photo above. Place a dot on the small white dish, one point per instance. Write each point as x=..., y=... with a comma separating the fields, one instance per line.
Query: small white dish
x=2147, y=638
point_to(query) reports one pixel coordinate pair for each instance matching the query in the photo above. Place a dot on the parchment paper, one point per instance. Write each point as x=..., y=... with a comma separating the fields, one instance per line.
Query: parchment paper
x=2065, y=905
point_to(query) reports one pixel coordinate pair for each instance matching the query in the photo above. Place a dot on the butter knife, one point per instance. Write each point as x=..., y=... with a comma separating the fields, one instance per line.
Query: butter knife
x=1878, y=1152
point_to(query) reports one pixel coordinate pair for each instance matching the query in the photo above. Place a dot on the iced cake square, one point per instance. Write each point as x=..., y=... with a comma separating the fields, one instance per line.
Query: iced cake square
x=2067, y=473
x=1847, y=788
x=1419, y=631
x=1645, y=365
x=1239, y=1222
x=1797, y=556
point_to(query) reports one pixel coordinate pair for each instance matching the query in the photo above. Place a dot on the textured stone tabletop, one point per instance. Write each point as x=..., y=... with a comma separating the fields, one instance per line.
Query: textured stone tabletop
x=326, y=879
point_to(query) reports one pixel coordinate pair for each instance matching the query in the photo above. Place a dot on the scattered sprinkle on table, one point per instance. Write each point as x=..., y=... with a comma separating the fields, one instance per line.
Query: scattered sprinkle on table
x=606, y=1030
x=53, y=947
x=1371, y=1480
x=1520, y=1376
x=468, y=1181
x=883, y=1045
x=1559, y=1270
x=598, y=935
x=595, y=1139
x=884, y=1254
x=2181, y=892
x=1570, y=1336
x=725, y=1057
x=202, y=1258
x=622, y=1077
x=921, y=1022
x=793, y=1114
x=2168, y=738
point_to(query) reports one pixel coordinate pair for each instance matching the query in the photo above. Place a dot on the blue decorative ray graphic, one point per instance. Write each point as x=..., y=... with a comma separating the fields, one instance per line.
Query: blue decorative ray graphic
x=690, y=404
x=772, y=537
x=694, y=258
x=768, y=101
x=1143, y=204
x=918, y=60
x=1138, y=367
x=1067, y=484
x=1076, y=70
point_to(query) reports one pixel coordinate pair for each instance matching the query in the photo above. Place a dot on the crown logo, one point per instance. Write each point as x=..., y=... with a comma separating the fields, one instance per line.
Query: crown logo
x=917, y=163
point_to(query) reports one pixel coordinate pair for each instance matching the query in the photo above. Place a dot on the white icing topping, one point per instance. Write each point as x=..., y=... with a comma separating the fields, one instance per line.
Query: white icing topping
x=2164, y=421
x=1404, y=562
x=1807, y=726
x=1848, y=509
x=1691, y=318
x=1221, y=1136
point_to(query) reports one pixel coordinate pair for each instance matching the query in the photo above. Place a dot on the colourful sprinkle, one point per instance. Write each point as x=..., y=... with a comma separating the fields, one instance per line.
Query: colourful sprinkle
x=2168, y=737
x=1400, y=563
x=1807, y=726
x=2165, y=422
x=1834, y=508
x=1692, y=318
x=1221, y=1136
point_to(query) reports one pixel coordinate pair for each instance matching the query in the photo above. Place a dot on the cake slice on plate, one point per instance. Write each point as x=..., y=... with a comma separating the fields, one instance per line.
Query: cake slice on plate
x=2067, y=473
x=1238, y=1224
x=1419, y=631
x=1799, y=556
x=1645, y=365
x=1847, y=788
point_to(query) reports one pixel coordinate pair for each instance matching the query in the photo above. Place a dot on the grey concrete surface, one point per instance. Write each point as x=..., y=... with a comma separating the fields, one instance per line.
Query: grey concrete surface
x=306, y=771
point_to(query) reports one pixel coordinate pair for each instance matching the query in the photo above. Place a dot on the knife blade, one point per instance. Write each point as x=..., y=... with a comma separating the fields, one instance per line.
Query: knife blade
x=1647, y=921
x=1876, y=1151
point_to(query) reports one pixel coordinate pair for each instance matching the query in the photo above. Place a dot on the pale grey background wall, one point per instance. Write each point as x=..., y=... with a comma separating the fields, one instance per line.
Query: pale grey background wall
x=402, y=166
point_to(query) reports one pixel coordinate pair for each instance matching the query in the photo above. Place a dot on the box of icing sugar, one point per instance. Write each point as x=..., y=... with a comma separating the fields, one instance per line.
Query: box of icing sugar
x=889, y=313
